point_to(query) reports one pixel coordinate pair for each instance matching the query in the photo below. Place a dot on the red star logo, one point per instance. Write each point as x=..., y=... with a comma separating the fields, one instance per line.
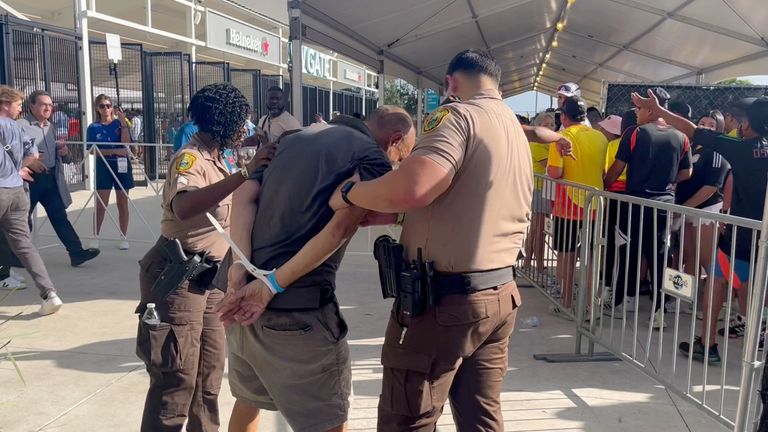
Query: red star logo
x=264, y=47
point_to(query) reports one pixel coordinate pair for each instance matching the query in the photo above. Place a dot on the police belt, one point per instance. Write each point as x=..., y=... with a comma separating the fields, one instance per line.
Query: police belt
x=181, y=266
x=470, y=283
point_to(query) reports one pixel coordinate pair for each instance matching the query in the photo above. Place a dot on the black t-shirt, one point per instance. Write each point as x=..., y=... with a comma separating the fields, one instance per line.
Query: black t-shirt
x=654, y=154
x=749, y=165
x=295, y=189
x=709, y=169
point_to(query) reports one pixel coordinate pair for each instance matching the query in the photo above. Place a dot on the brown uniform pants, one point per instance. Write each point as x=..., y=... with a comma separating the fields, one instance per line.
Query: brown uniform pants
x=184, y=354
x=456, y=351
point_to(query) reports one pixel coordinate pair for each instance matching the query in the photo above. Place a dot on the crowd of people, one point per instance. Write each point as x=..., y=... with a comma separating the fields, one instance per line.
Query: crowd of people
x=282, y=328
x=654, y=152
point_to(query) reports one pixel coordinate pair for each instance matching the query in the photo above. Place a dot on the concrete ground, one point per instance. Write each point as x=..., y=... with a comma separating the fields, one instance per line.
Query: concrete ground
x=81, y=374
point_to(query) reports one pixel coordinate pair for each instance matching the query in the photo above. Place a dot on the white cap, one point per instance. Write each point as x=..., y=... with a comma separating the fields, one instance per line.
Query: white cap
x=569, y=89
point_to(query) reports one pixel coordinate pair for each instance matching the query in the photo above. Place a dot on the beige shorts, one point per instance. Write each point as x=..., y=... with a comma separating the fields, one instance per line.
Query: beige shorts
x=294, y=362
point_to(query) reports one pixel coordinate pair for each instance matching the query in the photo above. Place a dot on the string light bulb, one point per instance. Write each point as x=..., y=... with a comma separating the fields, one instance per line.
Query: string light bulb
x=560, y=26
x=554, y=43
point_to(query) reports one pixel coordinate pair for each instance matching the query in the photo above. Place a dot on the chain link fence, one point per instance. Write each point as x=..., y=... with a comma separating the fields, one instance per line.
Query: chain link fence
x=701, y=98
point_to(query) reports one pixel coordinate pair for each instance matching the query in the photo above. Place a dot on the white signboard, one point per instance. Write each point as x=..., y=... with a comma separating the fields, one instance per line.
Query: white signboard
x=678, y=284
x=235, y=37
x=549, y=227
x=350, y=74
x=114, y=51
x=316, y=63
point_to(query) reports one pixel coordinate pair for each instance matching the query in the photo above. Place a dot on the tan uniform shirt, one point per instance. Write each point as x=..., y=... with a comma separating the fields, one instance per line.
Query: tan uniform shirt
x=194, y=167
x=478, y=223
x=274, y=127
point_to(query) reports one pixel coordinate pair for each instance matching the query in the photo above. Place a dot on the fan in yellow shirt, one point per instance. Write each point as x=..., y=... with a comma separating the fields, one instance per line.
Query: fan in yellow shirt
x=542, y=204
x=587, y=168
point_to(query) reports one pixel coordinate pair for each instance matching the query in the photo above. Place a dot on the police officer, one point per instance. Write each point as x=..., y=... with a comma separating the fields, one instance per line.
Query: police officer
x=466, y=192
x=184, y=353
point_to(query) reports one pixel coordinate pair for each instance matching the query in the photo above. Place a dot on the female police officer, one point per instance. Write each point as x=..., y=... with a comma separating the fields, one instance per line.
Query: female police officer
x=184, y=351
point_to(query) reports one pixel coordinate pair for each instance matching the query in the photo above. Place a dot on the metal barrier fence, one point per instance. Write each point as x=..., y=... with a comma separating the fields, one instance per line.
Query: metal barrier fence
x=607, y=243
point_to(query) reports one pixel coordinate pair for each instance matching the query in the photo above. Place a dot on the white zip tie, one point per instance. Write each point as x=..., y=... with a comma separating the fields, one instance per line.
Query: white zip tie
x=258, y=273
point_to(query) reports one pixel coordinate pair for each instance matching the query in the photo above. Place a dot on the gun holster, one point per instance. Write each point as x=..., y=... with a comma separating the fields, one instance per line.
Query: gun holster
x=180, y=268
x=410, y=283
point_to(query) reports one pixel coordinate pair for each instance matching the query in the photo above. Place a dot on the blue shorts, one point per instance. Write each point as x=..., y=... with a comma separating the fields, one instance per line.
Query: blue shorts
x=106, y=181
x=740, y=269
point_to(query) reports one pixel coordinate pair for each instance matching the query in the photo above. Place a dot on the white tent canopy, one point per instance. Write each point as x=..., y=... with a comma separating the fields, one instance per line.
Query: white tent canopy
x=602, y=40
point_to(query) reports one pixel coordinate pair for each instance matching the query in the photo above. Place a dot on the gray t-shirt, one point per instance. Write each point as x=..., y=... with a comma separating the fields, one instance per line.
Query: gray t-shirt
x=43, y=137
x=295, y=189
x=12, y=135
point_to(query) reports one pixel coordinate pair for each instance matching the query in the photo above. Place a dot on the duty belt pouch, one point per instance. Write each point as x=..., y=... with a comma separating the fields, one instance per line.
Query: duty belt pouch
x=411, y=295
x=389, y=256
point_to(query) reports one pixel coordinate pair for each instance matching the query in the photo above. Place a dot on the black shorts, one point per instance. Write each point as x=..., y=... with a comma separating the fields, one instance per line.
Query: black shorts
x=567, y=234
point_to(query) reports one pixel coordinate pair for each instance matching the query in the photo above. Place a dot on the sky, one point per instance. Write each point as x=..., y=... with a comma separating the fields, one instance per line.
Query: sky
x=526, y=103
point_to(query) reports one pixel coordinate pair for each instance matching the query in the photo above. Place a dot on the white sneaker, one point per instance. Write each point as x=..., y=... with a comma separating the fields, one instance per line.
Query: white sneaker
x=18, y=276
x=50, y=305
x=93, y=244
x=658, y=322
x=10, y=283
x=124, y=245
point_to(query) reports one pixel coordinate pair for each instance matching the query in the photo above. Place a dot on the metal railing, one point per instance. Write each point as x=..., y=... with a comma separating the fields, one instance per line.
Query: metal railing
x=682, y=249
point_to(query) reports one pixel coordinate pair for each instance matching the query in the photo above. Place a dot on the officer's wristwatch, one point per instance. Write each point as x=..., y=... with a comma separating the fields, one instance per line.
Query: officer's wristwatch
x=345, y=191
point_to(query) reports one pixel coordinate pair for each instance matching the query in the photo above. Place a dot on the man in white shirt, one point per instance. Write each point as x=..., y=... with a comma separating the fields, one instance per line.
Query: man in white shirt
x=278, y=120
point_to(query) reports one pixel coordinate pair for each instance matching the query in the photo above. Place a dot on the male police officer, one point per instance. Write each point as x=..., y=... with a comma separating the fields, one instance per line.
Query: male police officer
x=466, y=193
x=184, y=352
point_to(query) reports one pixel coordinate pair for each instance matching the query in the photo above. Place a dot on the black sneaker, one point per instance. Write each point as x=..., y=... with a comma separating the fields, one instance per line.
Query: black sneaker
x=82, y=256
x=736, y=327
x=698, y=351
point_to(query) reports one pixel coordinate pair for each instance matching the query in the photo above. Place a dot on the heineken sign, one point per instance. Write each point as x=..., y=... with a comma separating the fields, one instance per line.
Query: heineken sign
x=236, y=37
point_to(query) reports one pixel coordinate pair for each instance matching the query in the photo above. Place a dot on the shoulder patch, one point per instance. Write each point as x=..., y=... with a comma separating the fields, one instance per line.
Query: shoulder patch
x=185, y=162
x=435, y=119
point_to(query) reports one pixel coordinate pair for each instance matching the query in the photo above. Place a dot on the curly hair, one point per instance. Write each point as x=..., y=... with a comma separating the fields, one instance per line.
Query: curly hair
x=220, y=110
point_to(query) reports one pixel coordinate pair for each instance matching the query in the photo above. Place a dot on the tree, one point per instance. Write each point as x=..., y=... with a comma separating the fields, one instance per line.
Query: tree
x=736, y=82
x=400, y=93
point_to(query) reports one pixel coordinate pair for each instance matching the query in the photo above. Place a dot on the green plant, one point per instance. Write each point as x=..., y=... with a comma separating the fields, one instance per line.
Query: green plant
x=5, y=341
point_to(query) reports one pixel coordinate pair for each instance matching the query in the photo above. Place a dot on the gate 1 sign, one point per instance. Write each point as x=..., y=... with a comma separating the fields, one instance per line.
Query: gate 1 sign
x=678, y=284
x=315, y=63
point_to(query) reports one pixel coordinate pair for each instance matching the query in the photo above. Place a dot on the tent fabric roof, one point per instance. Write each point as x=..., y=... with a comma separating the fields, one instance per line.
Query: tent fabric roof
x=682, y=41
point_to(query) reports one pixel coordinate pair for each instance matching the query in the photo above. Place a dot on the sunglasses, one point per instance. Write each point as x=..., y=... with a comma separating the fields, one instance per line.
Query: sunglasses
x=105, y=106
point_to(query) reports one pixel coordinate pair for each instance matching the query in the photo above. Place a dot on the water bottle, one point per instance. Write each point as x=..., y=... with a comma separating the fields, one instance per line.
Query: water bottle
x=150, y=316
x=531, y=322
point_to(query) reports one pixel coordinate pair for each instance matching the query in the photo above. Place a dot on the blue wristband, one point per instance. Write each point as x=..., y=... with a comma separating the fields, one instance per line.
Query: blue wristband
x=276, y=286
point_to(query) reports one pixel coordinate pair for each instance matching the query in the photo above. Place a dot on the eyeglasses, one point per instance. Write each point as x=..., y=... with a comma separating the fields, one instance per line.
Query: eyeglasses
x=105, y=106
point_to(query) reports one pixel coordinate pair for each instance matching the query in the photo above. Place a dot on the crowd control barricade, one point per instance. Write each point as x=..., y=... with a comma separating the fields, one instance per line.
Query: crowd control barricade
x=84, y=155
x=646, y=268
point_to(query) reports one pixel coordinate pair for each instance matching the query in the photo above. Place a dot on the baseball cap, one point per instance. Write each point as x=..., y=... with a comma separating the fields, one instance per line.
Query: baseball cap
x=575, y=108
x=757, y=113
x=739, y=108
x=612, y=124
x=681, y=108
x=569, y=89
x=662, y=95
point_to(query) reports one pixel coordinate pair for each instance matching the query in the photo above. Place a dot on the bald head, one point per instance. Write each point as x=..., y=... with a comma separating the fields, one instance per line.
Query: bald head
x=392, y=128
